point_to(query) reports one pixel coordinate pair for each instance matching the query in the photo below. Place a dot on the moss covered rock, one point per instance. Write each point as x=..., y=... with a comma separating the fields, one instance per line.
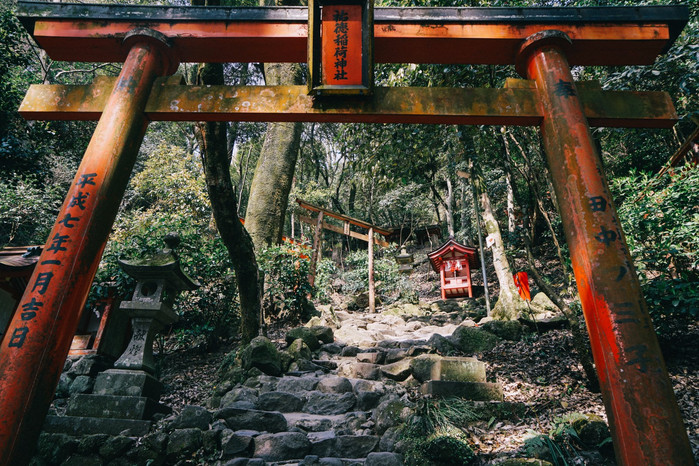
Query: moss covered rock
x=263, y=355
x=472, y=340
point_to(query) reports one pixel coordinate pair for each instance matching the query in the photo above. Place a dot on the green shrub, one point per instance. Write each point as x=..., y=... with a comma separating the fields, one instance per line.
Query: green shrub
x=325, y=272
x=662, y=229
x=287, y=289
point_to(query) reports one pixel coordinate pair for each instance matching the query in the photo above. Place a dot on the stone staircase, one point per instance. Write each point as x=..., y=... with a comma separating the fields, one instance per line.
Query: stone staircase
x=338, y=402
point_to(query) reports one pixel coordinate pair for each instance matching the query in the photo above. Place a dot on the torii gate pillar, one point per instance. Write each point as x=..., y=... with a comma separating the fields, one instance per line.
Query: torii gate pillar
x=39, y=336
x=645, y=420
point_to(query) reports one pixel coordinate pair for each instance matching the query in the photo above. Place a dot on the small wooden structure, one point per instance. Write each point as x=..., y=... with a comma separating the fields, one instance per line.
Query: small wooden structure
x=16, y=266
x=453, y=262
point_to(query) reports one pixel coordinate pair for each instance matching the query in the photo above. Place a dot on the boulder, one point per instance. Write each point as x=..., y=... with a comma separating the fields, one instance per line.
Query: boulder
x=192, y=416
x=282, y=446
x=298, y=349
x=262, y=354
x=297, y=384
x=252, y=419
x=383, y=458
x=334, y=384
x=239, y=394
x=390, y=413
x=183, y=442
x=279, y=401
x=237, y=443
x=323, y=333
x=329, y=403
x=398, y=371
x=472, y=340
x=505, y=329
x=305, y=334
x=116, y=446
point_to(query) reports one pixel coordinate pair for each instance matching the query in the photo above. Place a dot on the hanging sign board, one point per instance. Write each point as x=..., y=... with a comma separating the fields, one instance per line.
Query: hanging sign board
x=340, y=47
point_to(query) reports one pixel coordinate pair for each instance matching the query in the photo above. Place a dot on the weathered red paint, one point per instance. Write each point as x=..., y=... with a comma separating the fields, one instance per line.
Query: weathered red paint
x=518, y=104
x=645, y=421
x=39, y=336
x=394, y=42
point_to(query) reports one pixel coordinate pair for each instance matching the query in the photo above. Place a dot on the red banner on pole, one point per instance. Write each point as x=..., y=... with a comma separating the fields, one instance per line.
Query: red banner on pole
x=522, y=282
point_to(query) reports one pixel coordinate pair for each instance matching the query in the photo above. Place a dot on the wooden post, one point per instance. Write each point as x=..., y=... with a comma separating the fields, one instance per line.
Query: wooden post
x=39, y=337
x=644, y=419
x=315, y=255
x=372, y=291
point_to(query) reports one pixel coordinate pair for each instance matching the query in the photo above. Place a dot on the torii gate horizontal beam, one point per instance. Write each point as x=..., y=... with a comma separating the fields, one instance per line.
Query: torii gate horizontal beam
x=518, y=104
x=601, y=35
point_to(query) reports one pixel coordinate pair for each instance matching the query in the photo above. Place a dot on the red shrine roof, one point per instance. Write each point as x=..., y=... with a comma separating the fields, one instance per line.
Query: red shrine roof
x=450, y=250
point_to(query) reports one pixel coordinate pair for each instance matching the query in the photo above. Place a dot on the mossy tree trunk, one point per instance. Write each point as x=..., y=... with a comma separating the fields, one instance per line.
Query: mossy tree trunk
x=216, y=159
x=271, y=184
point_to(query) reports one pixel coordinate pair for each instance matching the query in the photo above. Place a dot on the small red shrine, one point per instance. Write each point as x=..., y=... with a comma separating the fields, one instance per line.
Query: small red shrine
x=453, y=262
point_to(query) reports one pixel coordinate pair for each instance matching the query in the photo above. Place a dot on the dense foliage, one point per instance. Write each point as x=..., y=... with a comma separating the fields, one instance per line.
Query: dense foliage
x=390, y=175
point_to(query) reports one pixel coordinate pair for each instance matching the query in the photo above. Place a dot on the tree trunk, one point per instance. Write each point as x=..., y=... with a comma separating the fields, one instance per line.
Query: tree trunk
x=271, y=184
x=511, y=223
x=510, y=304
x=449, y=204
x=212, y=138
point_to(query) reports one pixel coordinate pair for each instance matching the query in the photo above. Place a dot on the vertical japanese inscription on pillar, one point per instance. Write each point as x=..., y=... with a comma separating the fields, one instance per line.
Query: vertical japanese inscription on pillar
x=342, y=45
x=58, y=247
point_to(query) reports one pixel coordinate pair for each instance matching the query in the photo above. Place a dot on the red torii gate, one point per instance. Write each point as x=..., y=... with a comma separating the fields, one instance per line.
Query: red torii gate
x=646, y=424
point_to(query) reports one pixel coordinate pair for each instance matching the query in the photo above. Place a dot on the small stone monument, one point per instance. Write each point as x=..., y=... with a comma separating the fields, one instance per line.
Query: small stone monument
x=126, y=397
x=405, y=262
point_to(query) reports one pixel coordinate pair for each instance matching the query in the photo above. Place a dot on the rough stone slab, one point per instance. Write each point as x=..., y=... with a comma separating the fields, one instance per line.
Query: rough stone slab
x=376, y=357
x=399, y=370
x=74, y=425
x=122, y=382
x=297, y=384
x=329, y=403
x=282, y=446
x=279, y=401
x=117, y=407
x=451, y=369
x=313, y=422
x=334, y=384
x=252, y=419
x=478, y=391
x=383, y=459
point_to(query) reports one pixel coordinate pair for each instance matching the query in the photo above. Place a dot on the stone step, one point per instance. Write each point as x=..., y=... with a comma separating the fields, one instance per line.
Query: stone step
x=117, y=407
x=325, y=444
x=76, y=425
x=449, y=369
x=477, y=391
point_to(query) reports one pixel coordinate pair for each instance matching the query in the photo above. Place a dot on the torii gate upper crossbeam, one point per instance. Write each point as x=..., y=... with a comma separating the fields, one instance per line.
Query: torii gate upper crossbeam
x=601, y=36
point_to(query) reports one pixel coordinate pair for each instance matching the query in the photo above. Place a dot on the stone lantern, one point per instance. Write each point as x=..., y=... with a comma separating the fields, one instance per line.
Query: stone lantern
x=159, y=279
x=126, y=397
x=405, y=262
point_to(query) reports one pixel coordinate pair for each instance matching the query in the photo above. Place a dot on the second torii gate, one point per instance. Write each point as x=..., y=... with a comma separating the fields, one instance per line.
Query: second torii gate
x=645, y=420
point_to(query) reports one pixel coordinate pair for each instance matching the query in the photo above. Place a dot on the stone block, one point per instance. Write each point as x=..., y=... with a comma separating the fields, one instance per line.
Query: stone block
x=334, y=384
x=329, y=403
x=121, y=382
x=183, y=442
x=478, y=391
x=237, y=443
x=451, y=369
x=323, y=333
x=297, y=384
x=399, y=370
x=306, y=334
x=376, y=357
x=192, y=416
x=364, y=370
x=73, y=425
x=252, y=419
x=109, y=406
x=282, y=446
x=279, y=401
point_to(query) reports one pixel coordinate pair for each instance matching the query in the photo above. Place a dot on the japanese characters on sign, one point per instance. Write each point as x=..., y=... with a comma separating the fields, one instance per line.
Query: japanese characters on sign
x=342, y=44
x=59, y=245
